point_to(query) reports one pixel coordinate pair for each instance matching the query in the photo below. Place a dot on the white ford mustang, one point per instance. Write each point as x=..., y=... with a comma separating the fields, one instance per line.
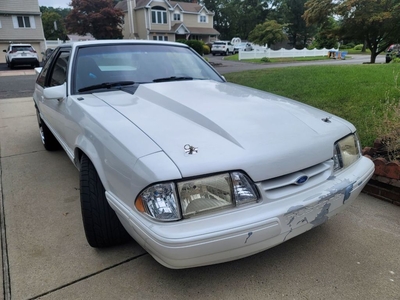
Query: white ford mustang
x=197, y=170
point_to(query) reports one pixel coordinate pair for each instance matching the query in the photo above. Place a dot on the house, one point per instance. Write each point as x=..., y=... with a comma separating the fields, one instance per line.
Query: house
x=20, y=22
x=167, y=20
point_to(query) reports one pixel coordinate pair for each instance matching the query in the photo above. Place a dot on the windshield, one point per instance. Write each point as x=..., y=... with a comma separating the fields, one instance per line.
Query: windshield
x=99, y=65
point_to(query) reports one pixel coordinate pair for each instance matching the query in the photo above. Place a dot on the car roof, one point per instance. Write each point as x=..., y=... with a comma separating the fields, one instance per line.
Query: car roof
x=21, y=45
x=110, y=42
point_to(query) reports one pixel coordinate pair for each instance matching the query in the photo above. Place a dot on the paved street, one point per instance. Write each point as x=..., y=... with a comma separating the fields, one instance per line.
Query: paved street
x=355, y=255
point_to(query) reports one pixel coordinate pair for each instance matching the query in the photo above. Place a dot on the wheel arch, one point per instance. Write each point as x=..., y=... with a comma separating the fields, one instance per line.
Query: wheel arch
x=85, y=147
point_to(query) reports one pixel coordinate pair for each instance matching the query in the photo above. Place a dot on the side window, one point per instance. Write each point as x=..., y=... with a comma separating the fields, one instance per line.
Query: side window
x=59, y=73
x=42, y=76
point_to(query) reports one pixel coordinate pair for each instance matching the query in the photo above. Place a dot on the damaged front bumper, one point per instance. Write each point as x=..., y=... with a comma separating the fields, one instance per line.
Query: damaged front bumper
x=237, y=233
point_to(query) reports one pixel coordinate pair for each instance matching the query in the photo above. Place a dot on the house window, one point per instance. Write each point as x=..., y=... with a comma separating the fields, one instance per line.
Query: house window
x=159, y=15
x=177, y=17
x=203, y=19
x=160, y=38
x=23, y=21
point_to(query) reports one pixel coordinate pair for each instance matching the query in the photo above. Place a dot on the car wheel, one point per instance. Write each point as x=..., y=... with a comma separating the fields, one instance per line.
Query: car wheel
x=388, y=60
x=227, y=53
x=213, y=54
x=101, y=224
x=50, y=143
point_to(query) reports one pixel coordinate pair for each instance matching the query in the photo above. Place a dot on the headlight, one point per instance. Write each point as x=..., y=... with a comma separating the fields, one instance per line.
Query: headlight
x=346, y=151
x=160, y=202
x=198, y=195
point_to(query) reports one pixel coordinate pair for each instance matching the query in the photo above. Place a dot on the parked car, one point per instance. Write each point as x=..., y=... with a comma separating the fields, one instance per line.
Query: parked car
x=21, y=54
x=222, y=48
x=392, y=51
x=46, y=55
x=243, y=47
x=197, y=170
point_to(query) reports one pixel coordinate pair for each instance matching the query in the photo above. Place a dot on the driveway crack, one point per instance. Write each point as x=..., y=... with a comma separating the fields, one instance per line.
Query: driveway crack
x=88, y=276
x=4, y=247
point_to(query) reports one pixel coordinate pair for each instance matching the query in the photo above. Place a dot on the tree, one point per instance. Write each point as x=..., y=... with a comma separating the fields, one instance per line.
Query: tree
x=299, y=33
x=327, y=35
x=97, y=17
x=63, y=12
x=53, y=26
x=236, y=18
x=269, y=32
x=377, y=22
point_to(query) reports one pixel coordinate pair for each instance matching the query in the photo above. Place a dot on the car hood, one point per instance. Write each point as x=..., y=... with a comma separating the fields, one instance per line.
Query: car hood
x=231, y=126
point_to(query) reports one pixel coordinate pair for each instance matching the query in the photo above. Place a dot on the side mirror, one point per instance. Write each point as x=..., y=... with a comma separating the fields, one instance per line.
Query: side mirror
x=5, y=51
x=38, y=70
x=56, y=92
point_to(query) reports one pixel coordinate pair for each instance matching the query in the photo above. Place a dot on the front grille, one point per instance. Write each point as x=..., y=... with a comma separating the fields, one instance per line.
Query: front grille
x=284, y=186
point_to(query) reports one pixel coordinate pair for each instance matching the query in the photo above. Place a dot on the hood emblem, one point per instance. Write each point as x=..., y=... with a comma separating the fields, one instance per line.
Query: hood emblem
x=190, y=149
x=301, y=180
x=327, y=119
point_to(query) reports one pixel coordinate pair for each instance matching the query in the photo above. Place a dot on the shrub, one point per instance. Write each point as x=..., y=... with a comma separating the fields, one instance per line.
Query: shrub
x=206, y=49
x=195, y=45
x=358, y=47
x=389, y=133
x=395, y=60
x=183, y=41
x=350, y=45
x=265, y=59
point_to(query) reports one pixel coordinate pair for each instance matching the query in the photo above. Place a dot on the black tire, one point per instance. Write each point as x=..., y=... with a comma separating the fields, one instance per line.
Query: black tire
x=227, y=53
x=101, y=224
x=49, y=142
x=213, y=54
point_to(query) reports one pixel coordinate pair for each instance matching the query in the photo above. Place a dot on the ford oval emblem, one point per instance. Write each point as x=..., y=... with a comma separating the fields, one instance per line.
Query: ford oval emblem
x=301, y=180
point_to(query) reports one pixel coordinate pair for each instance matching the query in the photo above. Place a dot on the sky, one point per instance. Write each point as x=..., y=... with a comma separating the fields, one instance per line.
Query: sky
x=55, y=3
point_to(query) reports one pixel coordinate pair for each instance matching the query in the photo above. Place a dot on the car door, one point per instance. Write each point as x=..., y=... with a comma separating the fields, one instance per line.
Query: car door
x=54, y=73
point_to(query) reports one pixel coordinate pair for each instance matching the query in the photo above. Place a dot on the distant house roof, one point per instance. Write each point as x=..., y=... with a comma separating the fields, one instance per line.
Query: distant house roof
x=191, y=30
x=184, y=6
x=76, y=37
x=202, y=30
x=122, y=5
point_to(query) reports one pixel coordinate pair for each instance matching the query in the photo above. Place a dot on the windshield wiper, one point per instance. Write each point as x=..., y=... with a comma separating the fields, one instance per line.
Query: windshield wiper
x=173, y=78
x=106, y=85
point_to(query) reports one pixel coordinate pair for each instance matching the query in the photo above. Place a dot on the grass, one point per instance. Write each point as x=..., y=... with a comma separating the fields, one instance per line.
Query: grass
x=360, y=94
x=235, y=57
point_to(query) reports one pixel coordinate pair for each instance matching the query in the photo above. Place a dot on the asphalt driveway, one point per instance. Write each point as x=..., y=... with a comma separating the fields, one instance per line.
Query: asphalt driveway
x=355, y=255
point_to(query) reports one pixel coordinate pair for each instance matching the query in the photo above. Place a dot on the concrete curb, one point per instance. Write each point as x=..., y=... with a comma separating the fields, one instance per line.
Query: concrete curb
x=17, y=73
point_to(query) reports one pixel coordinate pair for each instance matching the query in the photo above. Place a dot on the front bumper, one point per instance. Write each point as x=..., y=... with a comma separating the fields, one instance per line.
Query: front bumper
x=240, y=232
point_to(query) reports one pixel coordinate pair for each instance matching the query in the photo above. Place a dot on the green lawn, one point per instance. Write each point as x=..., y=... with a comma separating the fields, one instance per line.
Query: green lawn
x=361, y=94
x=235, y=57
